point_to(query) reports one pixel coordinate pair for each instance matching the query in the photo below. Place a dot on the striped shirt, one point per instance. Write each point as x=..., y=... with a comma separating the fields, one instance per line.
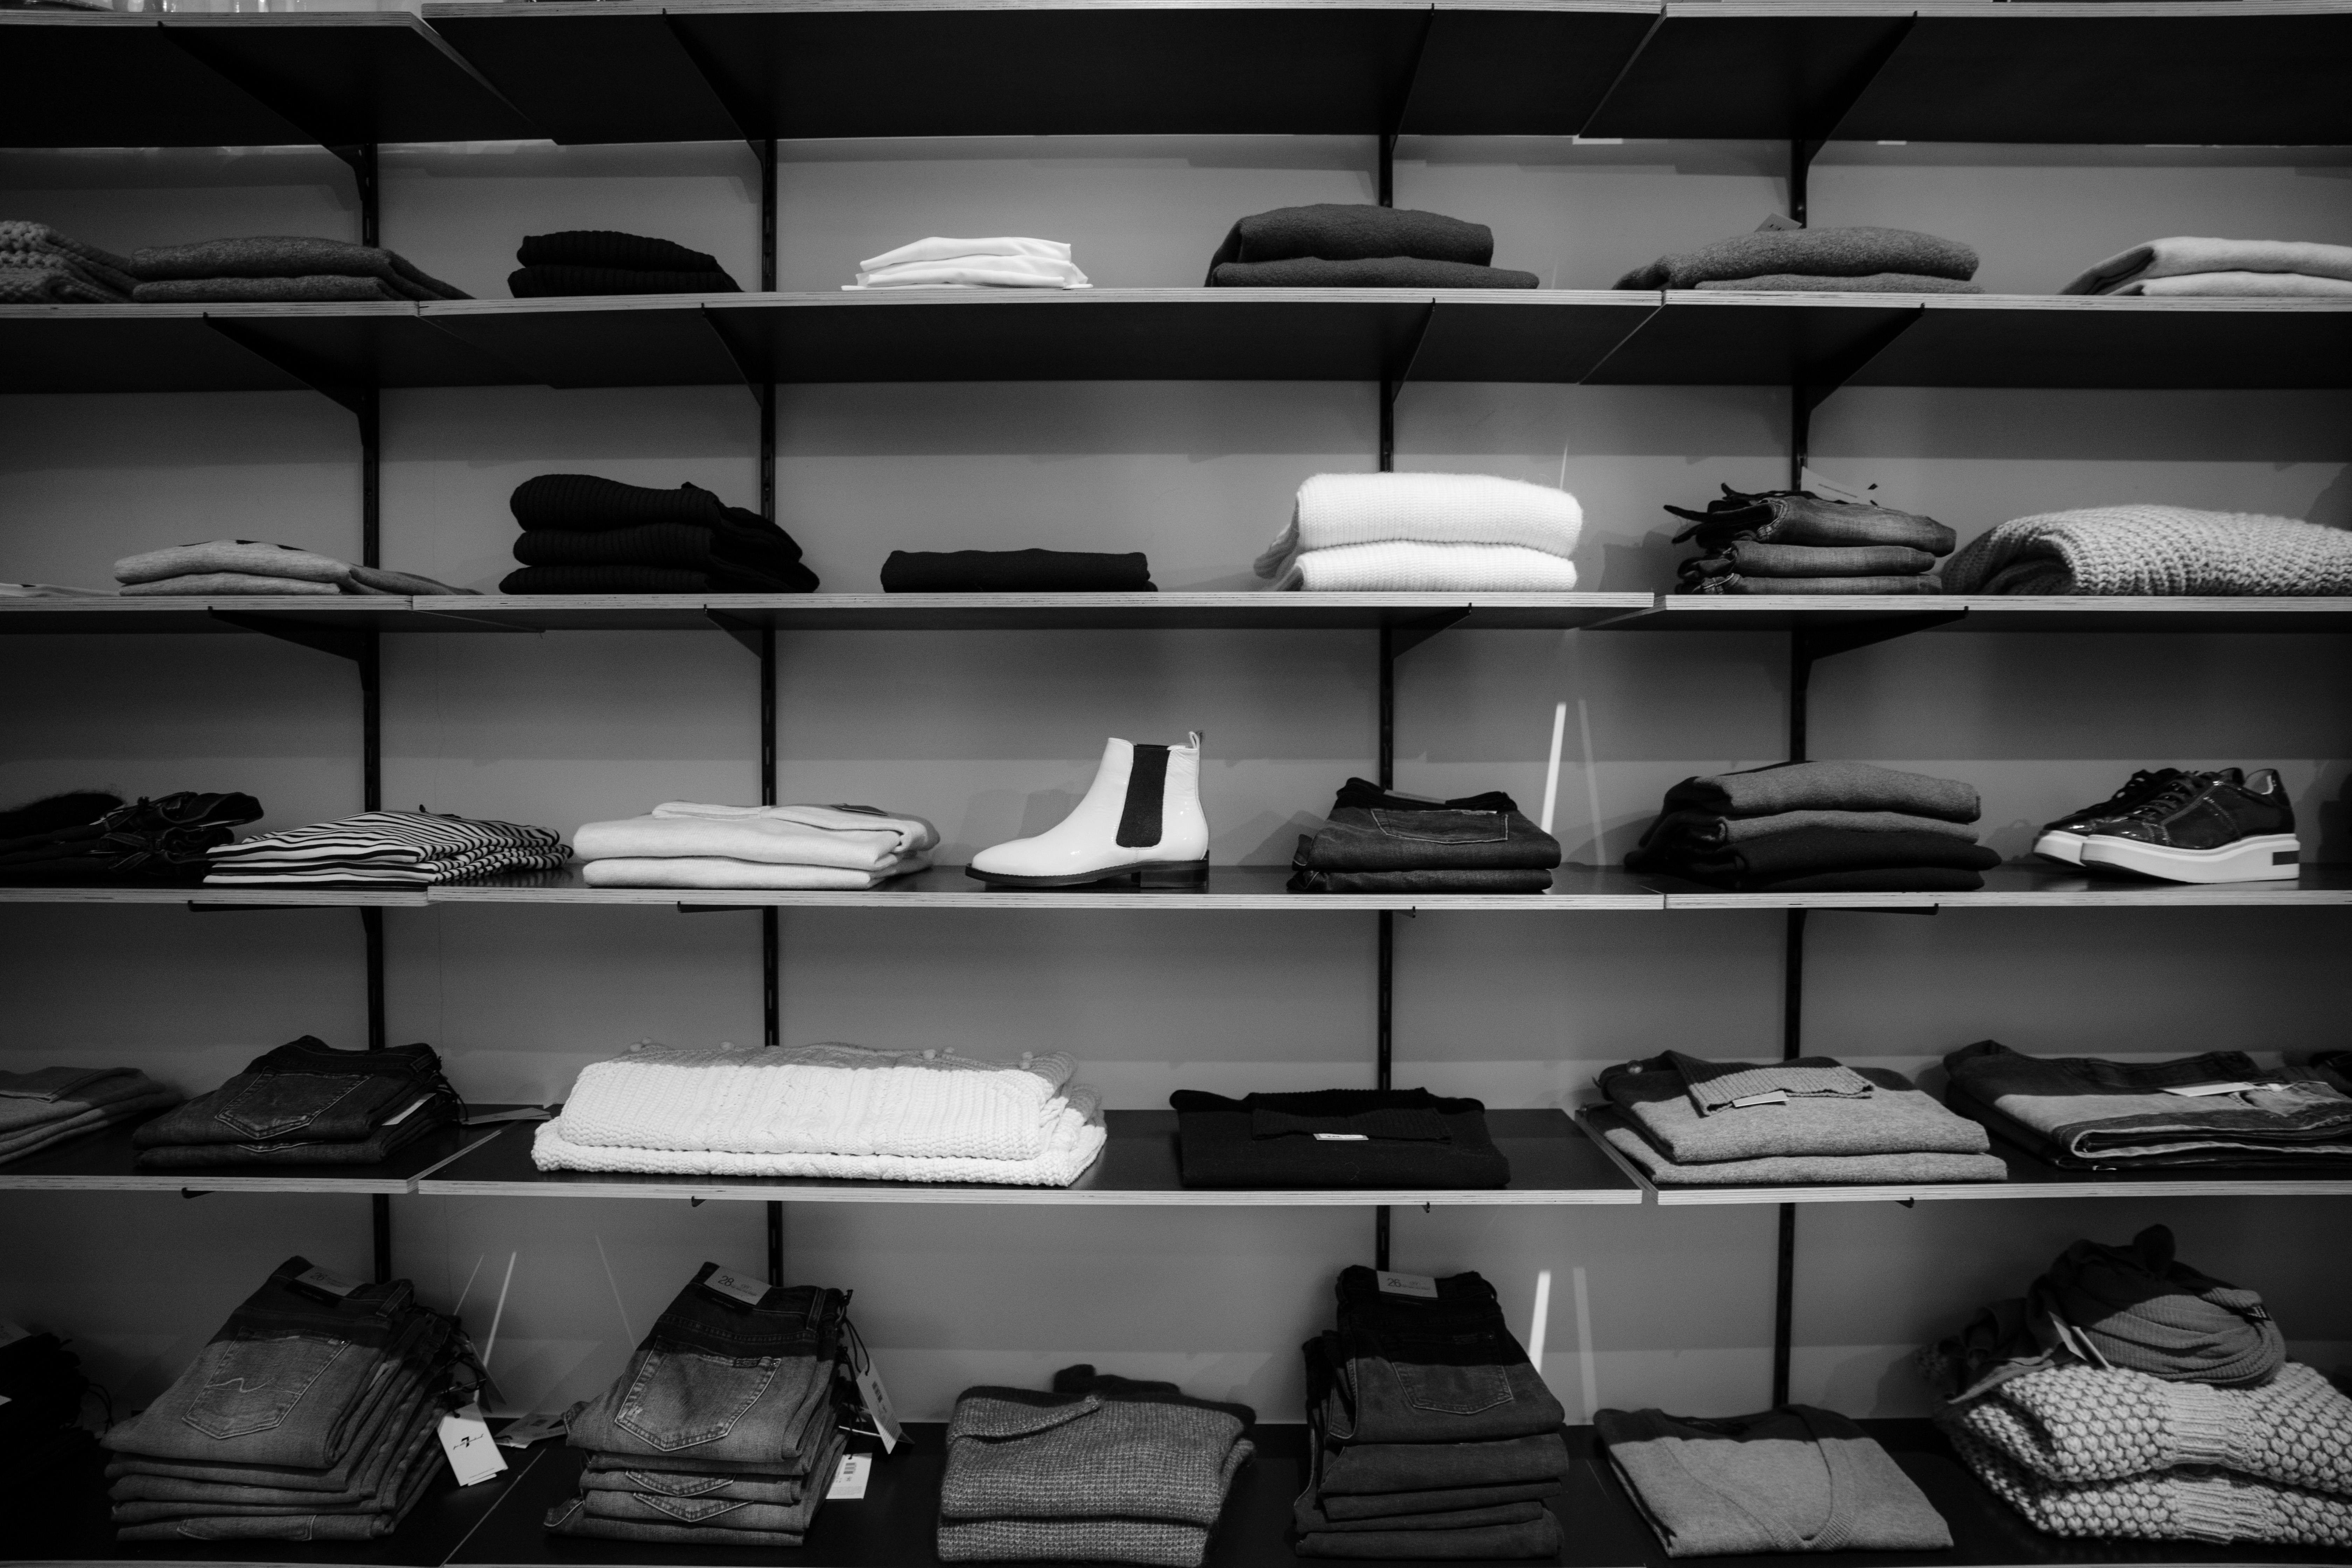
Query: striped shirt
x=409, y=848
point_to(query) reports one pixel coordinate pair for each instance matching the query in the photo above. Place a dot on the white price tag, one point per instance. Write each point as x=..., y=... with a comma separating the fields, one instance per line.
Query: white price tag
x=327, y=1281
x=849, y=1478
x=529, y=1429
x=397, y=1120
x=1769, y=1096
x=465, y=1439
x=1343, y=1137
x=878, y=1407
x=741, y=1287
x=1776, y=221
x=2198, y=1090
x=10, y=1333
x=1420, y=1285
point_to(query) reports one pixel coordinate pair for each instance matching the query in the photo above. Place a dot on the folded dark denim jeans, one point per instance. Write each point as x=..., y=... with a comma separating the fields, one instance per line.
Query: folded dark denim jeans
x=1537, y=1537
x=1362, y=795
x=305, y=1089
x=570, y=1517
x=678, y=1484
x=1380, y=840
x=723, y=1514
x=1800, y=517
x=409, y=1488
x=1335, y=1138
x=1306, y=879
x=1413, y=1370
x=1807, y=851
x=440, y=1108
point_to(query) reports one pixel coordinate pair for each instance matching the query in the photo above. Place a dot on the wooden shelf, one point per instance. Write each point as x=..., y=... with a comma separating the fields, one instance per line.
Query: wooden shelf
x=201, y=900
x=2021, y=885
x=103, y=1162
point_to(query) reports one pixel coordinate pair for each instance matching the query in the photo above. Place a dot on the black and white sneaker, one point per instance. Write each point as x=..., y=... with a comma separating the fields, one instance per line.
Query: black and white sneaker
x=2223, y=826
x=2063, y=840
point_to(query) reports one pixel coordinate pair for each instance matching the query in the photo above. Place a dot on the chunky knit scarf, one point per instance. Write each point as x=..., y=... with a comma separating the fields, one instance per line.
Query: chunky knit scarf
x=2154, y=550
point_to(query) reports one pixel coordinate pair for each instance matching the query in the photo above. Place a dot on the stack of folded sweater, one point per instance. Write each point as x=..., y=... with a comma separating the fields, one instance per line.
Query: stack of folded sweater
x=2214, y=1109
x=1426, y=533
x=306, y=1103
x=38, y=265
x=231, y=567
x=1335, y=1138
x=87, y=837
x=1796, y=1478
x=51, y=591
x=51, y=1105
x=1357, y=246
x=400, y=848
x=278, y=269
x=684, y=845
x=2154, y=550
x=601, y=261
x=1812, y=1121
x=1015, y=571
x=1010, y=262
x=1378, y=841
x=845, y=1112
x=2188, y=265
x=1819, y=827
x=721, y=1431
x=1099, y=1469
x=52, y=1471
x=1793, y=542
x=2128, y=1395
x=582, y=534
x=310, y=1417
x=1833, y=261
x=1432, y=1435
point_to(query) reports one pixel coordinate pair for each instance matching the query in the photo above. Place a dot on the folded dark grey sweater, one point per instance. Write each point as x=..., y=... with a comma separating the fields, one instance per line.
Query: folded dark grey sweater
x=1815, y=283
x=611, y=247
x=1757, y=558
x=1709, y=579
x=1824, y=786
x=324, y=288
x=1356, y=231
x=286, y=256
x=1809, y=252
x=553, y=281
x=1383, y=272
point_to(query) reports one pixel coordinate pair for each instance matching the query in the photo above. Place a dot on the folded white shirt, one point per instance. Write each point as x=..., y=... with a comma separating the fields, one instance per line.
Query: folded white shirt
x=938, y=263
x=857, y=838
x=1336, y=510
x=2241, y=285
x=1404, y=566
x=2179, y=255
x=938, y=249
x=713, y=872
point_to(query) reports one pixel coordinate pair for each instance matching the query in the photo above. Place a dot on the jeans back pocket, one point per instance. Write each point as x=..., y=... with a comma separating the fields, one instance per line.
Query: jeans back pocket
x=1444, y=827
x=682, y=1398
x=276, y=1104
x=1449, y=1377
x=253, y=1385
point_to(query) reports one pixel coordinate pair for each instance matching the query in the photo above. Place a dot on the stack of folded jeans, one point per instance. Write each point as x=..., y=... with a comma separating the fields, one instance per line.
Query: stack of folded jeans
x=1812, y=1121
x=2191, y=266
x=52, y=1472
x=1792, y=1479
x=601, y=261
x=306, y=1103
x=1381, y=842
x=845, y=1112
x=721, y=1431
x=2215, y=1110
x=95, y=838
x=1100, y=1470
x=51, y=1105
x=398, y=848
x=2155, y=550
x=1432, y=1435
x=1793, y=542
x=1005, y=262
x=278, y=268
x=1335, y=1138
x=311, y=1415
x=685, y=844
x=231, y=568
x=1425, y=533
x=1819, y=827
x=1015, y=571
x=582, y=534
x=1357, y=245
x=38, y=265
x=1836, y=260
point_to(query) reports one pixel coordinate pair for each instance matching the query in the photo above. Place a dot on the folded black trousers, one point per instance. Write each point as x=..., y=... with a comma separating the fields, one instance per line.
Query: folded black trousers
x=1335, y=1138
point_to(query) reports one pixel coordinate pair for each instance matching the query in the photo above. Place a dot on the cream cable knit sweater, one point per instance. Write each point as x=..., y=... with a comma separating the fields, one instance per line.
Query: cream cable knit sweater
x=721, y=872
x=2154, y=550
x=1403, y=566
x=2168, y=1505
x=1336, y=510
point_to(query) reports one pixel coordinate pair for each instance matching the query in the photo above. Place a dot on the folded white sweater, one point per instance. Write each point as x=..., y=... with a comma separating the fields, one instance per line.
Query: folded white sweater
x=1401, y=566
x=936, y=248
x=1335, y=509
x=2133, y=550
x=1005, y=263
x=2242, y=285
x=856, y=838
x=818, y=1100
x=2184, y=254
x=712, y=872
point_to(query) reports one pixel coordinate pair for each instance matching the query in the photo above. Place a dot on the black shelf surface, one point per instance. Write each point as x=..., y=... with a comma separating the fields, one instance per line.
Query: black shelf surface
x=1988, y=613
x=2036, y=885
x=211, y=615
x=102, y=1162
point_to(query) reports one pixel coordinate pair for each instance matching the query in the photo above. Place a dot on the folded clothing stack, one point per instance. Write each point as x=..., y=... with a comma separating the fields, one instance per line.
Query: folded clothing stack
x=311, y=1415
x=2130, y=1395
x=86, y=837
x=1099, y=1469
x=683, y=844
x=1432, y=1436
x=1833, y=261
x=306, y=1103
x=1015, y=571
x=2188, y=265
x=1792, y=1479
x=846, y=1112
x=1819, y=827
x=603, y=261
x=234, y=567
x=1426, y=533
x=51, y=590
x=2217, y=1109
x=52, y=1471
x=582, y=534
x=1793, y=542
x=51, y=1105
x=278, y=268
x=1010, y=262
x=2154, y=550
x=401, y=849
x=1357, y=245
x=38, y=265
x=722, y=1430
x=1813, y=1121
x=1335, y=1138
x=1378, y=841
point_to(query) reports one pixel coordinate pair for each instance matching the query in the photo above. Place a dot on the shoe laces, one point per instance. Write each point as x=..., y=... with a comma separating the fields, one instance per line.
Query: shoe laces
x=2170, y=798
x=2140, y=784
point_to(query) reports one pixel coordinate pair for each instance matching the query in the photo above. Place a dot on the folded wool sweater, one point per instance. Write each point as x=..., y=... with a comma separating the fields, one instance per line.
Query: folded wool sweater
x=723, y=550
x=796, y=579
x=1815, y=283
x=605, y=247
x=2187, y=255
x=1404, y=566
x=1335, y=1138
x=1811, y=252
x=2239, y=285
x=53, y=284
x=323, y=290
x=2165, y=1505
x=590, y=503
x=1805, y=851
x=1373, y=1470
x=248, y=556
x=1096, y=1446
x=1707, y=580
x=38, y=240
x=856, y=837
x=1894, y=1118
x=1702, y=832
x=1792, y=1170
x=1715, y=1086
x=1333, y=511
x=552, y=281
x=1309, y=1517
x=718, y=872
x=1015, y=571
x=2156, y=550
x=1756, y=558
x=1331, y=231
x=1800, y=517
x=228, y=584
x=1383, y=272
x=285, y=257
x=1824, y=787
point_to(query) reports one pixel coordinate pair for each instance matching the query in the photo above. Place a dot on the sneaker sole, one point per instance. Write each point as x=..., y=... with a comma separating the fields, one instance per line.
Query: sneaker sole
x=2270, y=858
x=2064, y=847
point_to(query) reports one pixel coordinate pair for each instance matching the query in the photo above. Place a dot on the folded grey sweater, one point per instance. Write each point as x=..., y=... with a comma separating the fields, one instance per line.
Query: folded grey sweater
x=2154, y=550
x=1893, y=1118
x=2162, y=1505
x=1824, y=786
x=1356, y=231
x=1809, y=252
x=1794, y=1170
x=1382, y=272
x=1874, y=283
x=286, y=256
x=326, y=288
x=2187, y=255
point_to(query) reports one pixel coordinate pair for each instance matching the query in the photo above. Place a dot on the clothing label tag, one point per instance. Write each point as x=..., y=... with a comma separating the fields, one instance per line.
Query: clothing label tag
x=327, y=1282
x=1343, y=1137
x=520, y=1113
x=878, y=1407
x=849, y=1478
x=1776, y=221
x=738, y=1287
x=10, y=1333
x=465, y=1439
x=2198, y=1090
x=1421, y=1285
x=397, y=1120
x=1769, y=1096
x=1828, y=488
x=537, y=1427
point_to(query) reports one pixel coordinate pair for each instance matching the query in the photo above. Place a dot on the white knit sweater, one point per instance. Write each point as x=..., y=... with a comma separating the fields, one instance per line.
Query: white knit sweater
x=2167, y=1505
x=1401, y=566
x=2154, y=550
x=1337, y=509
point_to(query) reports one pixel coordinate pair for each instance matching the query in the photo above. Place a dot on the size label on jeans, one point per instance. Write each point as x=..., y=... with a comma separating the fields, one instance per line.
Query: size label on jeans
x=1343, y=1137
x=2198, y=1090
x=529, y=1429
x=1420, y=1285
x=465, y=1439
x=737, y=1287
x=326, y=1282
x=849, y=1478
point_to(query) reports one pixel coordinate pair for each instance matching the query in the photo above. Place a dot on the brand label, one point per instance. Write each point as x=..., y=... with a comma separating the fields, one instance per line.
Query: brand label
x=1773, y=222
x=1421, y=1285
x=465, y=1439
x=877, y=1399
x=849, y=1478
x=1769, y=1096
x=327, y=1282
x=1343, y=1137
x=2198, y=1090
x=738, y=1287
x=537, y=1427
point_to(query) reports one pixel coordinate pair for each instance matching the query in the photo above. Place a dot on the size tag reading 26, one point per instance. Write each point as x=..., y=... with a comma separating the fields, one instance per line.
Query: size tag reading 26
x=737, y=1287
x=1420, y=1285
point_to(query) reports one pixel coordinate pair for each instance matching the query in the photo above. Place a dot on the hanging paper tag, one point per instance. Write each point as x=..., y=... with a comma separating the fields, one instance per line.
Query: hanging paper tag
x=1769, y=1096
x=1343, y=1137
x=533, y=1428
x=1420, y=1285
x=877, y=1400
x=849, y=1478
x=326, y=1282
x=1828, y=488
x=2198, y=1090
x=465, y=1439
x=1776, y=221
x=738, y=1287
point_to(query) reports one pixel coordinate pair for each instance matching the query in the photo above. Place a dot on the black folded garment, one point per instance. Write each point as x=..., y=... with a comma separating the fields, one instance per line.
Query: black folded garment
x=726, y=547
x=653, y=580
x=1306, y=879
x=1443, y=838
x=1371, y=272
x=1356, y=231
x=562, y=282
x=1335, y=1138
x=159, y=840
x=1362, y=795
x=1811, y=851
x=48, y=814
x=629, y=539
x=589, y=504
x=1015, y=571
x=611, y=248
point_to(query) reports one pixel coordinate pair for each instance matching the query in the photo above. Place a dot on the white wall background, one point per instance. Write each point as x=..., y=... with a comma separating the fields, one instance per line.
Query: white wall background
x=992, y=735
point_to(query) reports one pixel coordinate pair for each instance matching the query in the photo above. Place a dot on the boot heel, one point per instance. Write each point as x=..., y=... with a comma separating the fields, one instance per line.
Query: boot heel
x=1192, y=874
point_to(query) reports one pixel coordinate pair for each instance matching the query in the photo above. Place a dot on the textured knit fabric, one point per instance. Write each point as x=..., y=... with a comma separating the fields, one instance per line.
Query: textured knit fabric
x=1337, y=509
x=1793, y=1171
x=243, y=555
x=558, y=282
x=19, y=235
x=611, y=248
x=287, y=257
x=1705, y=830
x=1893, y=1118
x=51, y=591
x=1720, y=1086
x=1755, y=558
x=1824, y=786
x=654, y=580
x=1402, y=567
x=855, y=838
x=1813, y=252
x=2240, y=285
x=228, y=585
x=2154, y=550
x=414, y=848
x=2140, y=1307
x=325, y=288
x=1331, y=231
x=2168, y=1505
x=1386, y=272
x=1015, y=571
x=53, y=283
x=1813, y=283
x=1800, y=517
x=1707, y=580
x=2186, y=255
x=717, y=873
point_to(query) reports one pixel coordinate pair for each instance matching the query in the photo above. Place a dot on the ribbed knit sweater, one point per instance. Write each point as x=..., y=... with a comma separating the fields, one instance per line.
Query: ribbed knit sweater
x=2167, y=1505
x=2154, y=550
x=1335, y=509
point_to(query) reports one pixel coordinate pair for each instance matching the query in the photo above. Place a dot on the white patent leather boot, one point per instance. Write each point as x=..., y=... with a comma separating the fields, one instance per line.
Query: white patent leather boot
x=1141, y=814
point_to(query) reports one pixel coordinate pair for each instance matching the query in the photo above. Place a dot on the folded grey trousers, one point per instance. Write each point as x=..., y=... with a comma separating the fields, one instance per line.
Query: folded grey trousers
x=1538, y=1537
x=1809, y=252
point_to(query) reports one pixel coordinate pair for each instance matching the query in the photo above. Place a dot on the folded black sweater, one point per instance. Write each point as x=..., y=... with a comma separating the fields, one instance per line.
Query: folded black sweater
x=1354, y=232
x=653, y=579
x=1015, y=571
x=1335, y=1138
x=726, y=547
x=1382, y=272
x=610, y=248
x=1805, y=851
x=630, y=539
x=554, y=282
x=586, y=502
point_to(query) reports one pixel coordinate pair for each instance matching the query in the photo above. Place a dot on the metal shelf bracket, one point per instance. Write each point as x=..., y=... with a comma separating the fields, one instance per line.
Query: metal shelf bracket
x=354, y=645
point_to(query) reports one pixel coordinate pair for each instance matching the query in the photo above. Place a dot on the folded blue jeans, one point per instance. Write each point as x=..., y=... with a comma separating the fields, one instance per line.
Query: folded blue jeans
x=1414, y=1370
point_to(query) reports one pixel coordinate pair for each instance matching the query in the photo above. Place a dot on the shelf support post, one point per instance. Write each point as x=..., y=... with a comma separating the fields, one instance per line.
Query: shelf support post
x=1393, y=120
x=775, y=1243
